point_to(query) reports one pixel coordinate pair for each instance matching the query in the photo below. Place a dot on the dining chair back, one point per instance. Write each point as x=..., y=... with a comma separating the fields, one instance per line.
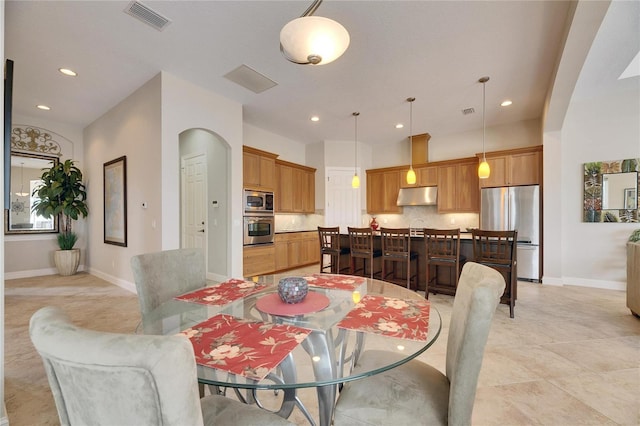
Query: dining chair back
x=162, y=275
x=361, y=247
x=442, y=248
x=396, y=248
x=102, y=378
x=330, y=246
x=498, y=249
x=416, y=393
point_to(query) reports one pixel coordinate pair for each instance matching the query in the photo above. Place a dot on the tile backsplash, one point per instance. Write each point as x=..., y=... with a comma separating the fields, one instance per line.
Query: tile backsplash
x=412, y=217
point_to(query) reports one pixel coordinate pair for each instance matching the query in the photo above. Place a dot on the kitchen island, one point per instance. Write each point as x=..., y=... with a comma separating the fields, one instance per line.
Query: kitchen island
x=445, y=279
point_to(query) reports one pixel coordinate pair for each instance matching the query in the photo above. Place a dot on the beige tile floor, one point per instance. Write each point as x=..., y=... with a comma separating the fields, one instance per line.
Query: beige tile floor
x=571, y=355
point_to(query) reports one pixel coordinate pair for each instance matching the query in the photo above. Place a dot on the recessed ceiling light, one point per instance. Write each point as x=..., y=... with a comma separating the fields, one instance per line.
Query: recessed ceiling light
x=506, y=103
x=44, y=107
x=315, y=118
x=67, y=71
x=399, y=126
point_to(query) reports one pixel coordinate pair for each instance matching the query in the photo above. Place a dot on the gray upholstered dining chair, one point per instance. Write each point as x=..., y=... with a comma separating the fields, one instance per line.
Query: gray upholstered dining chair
x=416, y=393
x=102, y=378
x=162, y=275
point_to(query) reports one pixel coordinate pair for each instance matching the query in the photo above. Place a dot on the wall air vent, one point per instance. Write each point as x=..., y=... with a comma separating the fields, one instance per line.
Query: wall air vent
x=147, y=15
x=468, y=111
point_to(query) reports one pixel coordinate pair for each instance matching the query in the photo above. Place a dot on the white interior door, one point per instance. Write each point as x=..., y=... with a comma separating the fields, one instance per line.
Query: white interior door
x=342, y=202
x=193, y=200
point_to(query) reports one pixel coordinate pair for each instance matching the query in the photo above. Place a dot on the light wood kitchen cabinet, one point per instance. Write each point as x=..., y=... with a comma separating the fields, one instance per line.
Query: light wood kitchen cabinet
x=295, y=188
x=295, y=249
x=514, y=167
x=258, y=260
x=425, y=176
x=458, y=186
x=382, y=190
x=258, y=169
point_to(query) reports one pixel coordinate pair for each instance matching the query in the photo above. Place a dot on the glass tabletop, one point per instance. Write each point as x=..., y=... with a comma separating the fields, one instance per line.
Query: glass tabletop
x=325, y=357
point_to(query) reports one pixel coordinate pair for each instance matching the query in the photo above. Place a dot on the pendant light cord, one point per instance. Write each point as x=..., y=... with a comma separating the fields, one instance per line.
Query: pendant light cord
x=483, y=80
x=410, y=100
x=355, y=145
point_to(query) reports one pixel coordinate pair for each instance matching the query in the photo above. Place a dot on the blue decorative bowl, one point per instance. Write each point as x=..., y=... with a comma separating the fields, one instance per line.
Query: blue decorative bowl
x=293, y=289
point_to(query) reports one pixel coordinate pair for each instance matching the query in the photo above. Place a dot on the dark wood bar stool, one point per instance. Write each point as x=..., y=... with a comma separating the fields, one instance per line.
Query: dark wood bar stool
x=396, y=248
x=497, y=249
x=361, y=246
x=442, y=251
x=330, y=245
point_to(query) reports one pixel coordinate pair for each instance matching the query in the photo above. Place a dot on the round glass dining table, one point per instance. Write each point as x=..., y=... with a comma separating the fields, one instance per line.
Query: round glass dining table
x=325, y=358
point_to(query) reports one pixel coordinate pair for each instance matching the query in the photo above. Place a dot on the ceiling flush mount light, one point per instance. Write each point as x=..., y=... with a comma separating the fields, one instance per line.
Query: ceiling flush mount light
x=483, y=169
x=355, y=182
x=43, y=107
x=67, y=71
x=313, y=39
x=411, y=175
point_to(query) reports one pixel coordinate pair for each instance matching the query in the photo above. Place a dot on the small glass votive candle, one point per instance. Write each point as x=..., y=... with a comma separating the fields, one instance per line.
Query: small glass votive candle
x=355, y=296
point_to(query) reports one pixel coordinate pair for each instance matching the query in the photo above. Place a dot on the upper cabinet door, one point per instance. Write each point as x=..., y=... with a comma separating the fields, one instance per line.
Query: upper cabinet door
x=258, y=169
x=522, y=166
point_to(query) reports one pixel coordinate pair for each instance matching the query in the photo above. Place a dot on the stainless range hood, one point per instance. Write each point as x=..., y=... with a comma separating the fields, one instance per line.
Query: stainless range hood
x=422, y=196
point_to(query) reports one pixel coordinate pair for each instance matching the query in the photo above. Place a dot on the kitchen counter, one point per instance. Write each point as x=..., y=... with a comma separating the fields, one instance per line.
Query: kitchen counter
x=292, y=231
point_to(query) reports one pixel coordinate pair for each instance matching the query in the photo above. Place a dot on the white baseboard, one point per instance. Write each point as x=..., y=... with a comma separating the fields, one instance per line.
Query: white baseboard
x=607, y=285
x=216, y=277
x=4, y=420
x=34, y=273
x=585, y=282
x=552, y=281
x=114, y=280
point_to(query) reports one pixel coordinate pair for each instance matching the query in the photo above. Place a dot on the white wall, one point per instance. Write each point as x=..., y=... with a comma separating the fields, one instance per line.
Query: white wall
x=131, y=129
x=287, y=149
x=187, y=106
x=464, y=144
x=596, y=126
x=606, y=128
x=198, y=141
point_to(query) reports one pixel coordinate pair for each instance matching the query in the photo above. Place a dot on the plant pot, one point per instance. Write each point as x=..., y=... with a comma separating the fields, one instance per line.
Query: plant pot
x=633, y=277
x=67, y=261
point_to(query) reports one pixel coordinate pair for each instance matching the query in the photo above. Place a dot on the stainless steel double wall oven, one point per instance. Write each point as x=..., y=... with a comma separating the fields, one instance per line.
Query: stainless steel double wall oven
x=258, y=223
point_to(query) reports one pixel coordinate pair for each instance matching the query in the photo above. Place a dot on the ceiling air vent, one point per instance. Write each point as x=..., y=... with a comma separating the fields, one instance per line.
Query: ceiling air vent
x=146, y=15
x=250, y=79
x=468, y=111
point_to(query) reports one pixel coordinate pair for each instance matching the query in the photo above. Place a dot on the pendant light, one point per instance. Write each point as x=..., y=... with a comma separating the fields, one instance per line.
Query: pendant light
x=411, y=175
x=313, y=40
x=355, y=182
x=484, y=171
x=22, y=193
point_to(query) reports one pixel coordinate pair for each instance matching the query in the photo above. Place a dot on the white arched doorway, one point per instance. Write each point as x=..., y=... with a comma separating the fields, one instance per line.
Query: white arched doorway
x=204, y=197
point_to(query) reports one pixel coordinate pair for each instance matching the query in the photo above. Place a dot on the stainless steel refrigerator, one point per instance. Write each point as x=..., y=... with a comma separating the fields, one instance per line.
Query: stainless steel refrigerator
x=516, y=207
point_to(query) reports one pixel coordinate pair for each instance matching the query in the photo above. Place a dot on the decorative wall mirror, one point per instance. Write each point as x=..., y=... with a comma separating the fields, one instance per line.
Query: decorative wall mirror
x=611, y=191
x=32, y=149
x=26, y=170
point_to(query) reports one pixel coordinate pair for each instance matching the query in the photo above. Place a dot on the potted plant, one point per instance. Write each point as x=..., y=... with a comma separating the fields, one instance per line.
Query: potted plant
x=62, y=192
x=633, y=273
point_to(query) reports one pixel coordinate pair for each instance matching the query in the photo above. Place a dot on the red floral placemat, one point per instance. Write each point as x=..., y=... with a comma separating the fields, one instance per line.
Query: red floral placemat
x=338, y=282
x=223, y=293
x=406, y=319
x=245, y=347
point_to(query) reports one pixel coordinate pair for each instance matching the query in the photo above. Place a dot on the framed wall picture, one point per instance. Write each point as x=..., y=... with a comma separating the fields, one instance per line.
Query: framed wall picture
x=630, y=198
x=115, y=202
